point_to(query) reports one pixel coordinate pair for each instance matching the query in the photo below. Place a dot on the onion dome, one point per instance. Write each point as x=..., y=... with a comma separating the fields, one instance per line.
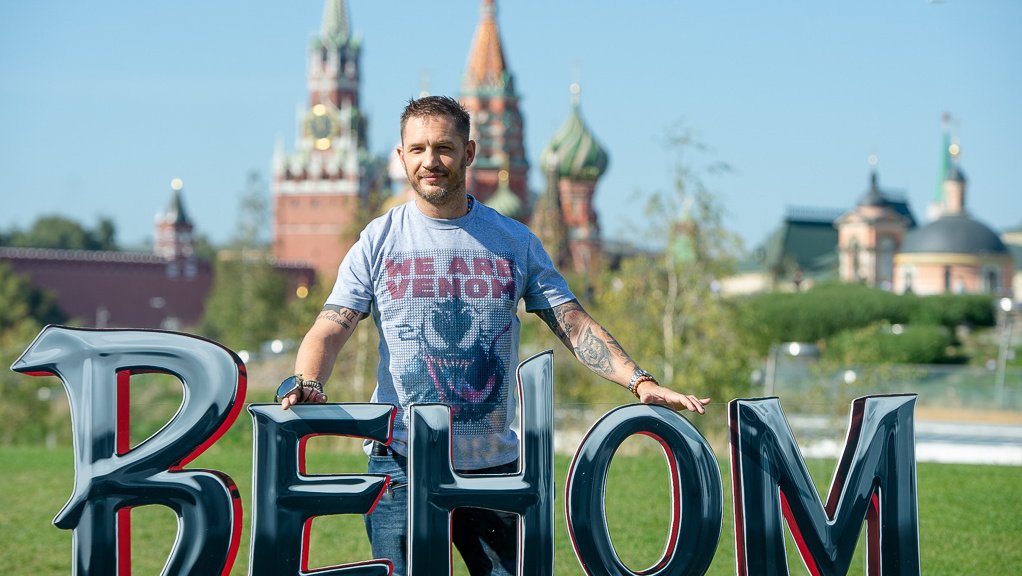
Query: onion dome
x=954, y=234
x=574, y=153
x=504, y=200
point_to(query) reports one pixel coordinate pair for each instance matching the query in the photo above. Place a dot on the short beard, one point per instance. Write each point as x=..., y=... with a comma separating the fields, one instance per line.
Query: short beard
x=439, y=197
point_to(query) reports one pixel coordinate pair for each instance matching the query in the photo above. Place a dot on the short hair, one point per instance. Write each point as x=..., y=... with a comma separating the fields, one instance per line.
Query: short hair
x=434, y=106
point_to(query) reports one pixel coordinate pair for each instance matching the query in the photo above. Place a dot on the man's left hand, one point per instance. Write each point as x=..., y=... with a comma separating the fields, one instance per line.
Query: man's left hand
x=652, y=393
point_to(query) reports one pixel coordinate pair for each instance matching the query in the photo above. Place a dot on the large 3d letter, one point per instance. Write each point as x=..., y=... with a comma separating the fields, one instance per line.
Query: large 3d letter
x=435, y=490
x=698, y=499
x=285, y=499
x=110, y=477
x=875, y=482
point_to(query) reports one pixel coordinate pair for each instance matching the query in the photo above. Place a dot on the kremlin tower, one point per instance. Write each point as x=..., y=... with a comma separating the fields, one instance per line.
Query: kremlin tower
x=173, y=239
x=321, y=190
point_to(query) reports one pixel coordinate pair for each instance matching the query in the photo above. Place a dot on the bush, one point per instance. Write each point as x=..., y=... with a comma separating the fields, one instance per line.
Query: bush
x=830, y=309
x=953, y=310
x=825, y=310
x=883, y=343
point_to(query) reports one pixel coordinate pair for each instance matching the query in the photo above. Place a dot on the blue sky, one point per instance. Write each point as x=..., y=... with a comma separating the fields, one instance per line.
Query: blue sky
x=103, y=103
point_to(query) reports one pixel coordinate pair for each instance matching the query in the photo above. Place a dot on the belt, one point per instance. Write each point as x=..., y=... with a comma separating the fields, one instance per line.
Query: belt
x=381, y=449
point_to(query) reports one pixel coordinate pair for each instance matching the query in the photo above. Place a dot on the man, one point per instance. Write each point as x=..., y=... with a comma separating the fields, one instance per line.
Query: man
x=442, y=277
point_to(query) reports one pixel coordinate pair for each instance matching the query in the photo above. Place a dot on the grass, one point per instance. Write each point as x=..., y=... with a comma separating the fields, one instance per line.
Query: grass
x=969, y=515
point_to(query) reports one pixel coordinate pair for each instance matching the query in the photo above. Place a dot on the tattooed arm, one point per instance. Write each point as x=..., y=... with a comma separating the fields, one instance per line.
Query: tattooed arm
x=319, y=349
x=595, y=348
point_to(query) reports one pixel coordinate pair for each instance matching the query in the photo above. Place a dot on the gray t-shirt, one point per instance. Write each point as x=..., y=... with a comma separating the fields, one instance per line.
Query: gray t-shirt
x=444, y=295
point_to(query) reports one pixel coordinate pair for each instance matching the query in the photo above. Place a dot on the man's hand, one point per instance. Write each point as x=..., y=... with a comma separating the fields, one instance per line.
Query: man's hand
x=302, y=396
x=653, y=393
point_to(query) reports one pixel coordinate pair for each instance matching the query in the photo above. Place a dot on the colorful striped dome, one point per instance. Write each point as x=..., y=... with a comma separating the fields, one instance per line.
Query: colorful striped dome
x=574, y=153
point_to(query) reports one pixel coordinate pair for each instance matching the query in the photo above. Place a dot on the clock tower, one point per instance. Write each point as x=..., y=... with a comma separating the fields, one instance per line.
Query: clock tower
x=321, y=187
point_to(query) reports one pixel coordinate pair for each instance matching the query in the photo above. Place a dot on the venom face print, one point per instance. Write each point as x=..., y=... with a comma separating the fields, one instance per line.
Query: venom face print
x=452, y=312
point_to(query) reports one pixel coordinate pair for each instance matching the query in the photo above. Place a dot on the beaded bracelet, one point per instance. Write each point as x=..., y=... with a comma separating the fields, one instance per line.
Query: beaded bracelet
x=634, y=388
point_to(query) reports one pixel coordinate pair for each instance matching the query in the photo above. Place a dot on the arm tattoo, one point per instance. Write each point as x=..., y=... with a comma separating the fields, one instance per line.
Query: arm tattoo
x=549, y=317
x=594, y=353
x=557, y=319
x=346, y=317
x=595, y=348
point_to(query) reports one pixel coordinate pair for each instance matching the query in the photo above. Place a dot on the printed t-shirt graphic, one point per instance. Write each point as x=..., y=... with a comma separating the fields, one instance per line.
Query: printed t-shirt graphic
x=452, y=311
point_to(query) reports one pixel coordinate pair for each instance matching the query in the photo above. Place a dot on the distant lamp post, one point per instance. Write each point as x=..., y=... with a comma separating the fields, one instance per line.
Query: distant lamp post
x=169, y=321
x=793, y=349
x=1005, y=307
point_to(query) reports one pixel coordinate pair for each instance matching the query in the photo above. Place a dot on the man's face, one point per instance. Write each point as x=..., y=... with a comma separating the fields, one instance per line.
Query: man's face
x=435, y=159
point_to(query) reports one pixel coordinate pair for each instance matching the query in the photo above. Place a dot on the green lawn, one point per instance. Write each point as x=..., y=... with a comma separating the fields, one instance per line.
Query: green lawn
x=970, y=520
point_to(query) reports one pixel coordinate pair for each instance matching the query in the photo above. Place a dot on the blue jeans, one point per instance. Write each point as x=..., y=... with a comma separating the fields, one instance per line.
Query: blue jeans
x=487, y=540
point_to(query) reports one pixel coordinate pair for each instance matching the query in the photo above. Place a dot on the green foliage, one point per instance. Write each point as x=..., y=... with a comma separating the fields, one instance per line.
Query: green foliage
x=203, y=248
x=21, y=301
x=665, y=309
x=881, y=343
x=952, y=310
x=707, y=350
x=822, y=311
x=245, y=306
x=830, y=309
x=63, y=233
x=25, y=416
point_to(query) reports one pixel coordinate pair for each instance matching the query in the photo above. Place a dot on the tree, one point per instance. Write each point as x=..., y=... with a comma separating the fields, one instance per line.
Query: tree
x=25, y=415
x=62, y=233
x=21, y=301
x=246, y=304
x=675, y=320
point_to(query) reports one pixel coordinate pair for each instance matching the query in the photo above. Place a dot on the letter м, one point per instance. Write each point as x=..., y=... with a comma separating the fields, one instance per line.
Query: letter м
x=95, y=367
x=875, y=482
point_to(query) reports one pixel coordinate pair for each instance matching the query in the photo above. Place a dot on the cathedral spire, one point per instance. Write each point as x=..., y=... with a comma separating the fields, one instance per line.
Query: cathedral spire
x=950, y=179
x=945, y=158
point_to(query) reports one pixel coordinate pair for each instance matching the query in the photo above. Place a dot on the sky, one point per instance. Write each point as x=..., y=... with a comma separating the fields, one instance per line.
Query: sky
x=103, y=103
